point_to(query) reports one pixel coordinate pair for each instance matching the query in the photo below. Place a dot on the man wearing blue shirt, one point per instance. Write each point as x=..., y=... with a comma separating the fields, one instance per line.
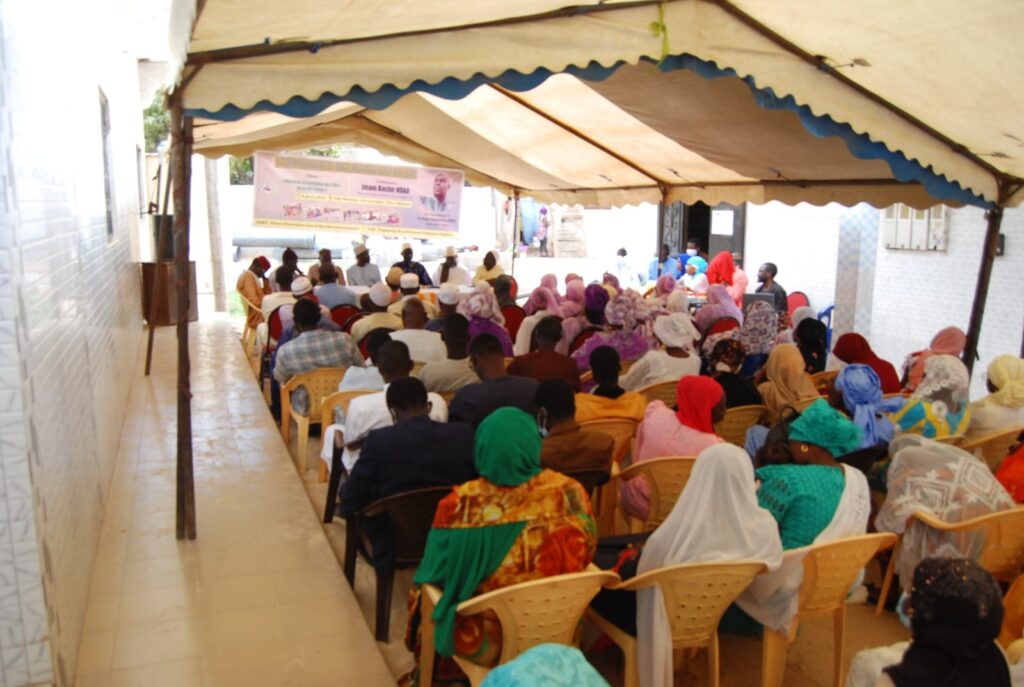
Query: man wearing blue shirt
x=664, y=264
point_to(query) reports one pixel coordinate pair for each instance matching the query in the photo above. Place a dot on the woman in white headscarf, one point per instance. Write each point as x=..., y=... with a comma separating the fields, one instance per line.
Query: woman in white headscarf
x=945, y=482
x=716, y=519
x=1003, y=408
x=799, y=315
x=938, y=407
x=678, y=358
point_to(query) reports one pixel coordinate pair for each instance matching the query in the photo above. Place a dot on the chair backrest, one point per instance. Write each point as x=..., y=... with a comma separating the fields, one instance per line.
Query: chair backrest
x=662, y=391
x=823, y=381
x=666, y=477
x=696, y=595
x=995, y=447
x=340, y=314
x=733, y=427
x=582, y=337
x=447, y=396
x=416, y=367
x=514, y=316
x=622, y=430
x=514, y=291
x=796, y=299
x=722, y=324
x=952, y=439
x=801, y=404
x=830, y=569
x=339, y=399
x=347, y=327
x=247, y=304
x=274, y=325
x=1003, y=555
x=540, y=611
x=589, y=479
x=319, y=383
x=411, y=514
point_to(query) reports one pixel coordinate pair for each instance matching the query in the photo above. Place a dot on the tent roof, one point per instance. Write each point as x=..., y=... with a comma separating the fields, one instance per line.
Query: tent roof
x=925, y=88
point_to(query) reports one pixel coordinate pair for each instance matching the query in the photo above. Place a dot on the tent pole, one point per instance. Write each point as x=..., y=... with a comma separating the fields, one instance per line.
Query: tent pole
x=181, y=133
x=515, y=229
x=988, y=255
x=161, y=246
x=661, y=226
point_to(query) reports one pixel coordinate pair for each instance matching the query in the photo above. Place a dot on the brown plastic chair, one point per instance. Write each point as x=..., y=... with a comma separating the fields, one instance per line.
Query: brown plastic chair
x=995, y=447
x=823, y=381
x=622, y=430
x=416, y=367
x=952, y=439
x=733, y=427
x=1002, y=555
x=802, y=404
x=666, y=477
x=830, y=570
x=531, y=613
x=248, y=338
x=662, y=391
x=696, y=595
x=339, y=399
x=590, y=480
x=318, y=383
x=411, y=514
x=447, y=396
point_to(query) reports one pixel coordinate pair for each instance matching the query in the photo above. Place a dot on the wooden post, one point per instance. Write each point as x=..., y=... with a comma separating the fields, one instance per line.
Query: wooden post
x=161, y=241
x=220, y=297
x=515, y=230
x=661, y=228
x=988, y=256
x=181, y=142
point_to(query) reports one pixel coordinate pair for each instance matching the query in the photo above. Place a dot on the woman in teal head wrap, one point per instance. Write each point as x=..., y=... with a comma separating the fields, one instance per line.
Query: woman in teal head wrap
x=694, y=278
x=515, y=524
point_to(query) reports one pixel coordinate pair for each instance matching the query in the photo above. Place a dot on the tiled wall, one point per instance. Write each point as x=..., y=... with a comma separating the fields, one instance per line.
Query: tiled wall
x=69, y=317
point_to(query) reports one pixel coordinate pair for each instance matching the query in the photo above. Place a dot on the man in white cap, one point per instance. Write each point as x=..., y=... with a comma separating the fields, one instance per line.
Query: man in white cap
x=448, y=298
x=409, y=285
x=379, y=318
x=449, y=270
x=363, y=273
x=410, y=266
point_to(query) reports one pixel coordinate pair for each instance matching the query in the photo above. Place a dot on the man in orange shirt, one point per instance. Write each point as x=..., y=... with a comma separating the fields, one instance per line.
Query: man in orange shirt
x=253, y=286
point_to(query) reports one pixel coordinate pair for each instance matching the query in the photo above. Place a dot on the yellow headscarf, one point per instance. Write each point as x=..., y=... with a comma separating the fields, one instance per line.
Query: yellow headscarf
x=1007, y=374
x=787, y=381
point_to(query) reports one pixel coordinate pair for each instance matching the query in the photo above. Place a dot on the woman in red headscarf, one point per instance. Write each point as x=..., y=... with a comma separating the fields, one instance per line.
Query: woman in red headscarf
x=667, y=432
x=854, y=349
x=723, y=270
x=949, y=341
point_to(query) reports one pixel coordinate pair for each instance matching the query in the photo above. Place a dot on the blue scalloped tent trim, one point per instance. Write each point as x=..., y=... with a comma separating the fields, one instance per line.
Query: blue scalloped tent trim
x=820, y=126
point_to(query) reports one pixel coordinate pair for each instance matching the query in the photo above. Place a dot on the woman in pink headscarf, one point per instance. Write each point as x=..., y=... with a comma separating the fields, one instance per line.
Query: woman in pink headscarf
x=622, y=335
x=549, y=282
x=663, y=288
x=573, y=319
x=720, y=304
x=949, y=341
x=544, y=303
x=484, y=314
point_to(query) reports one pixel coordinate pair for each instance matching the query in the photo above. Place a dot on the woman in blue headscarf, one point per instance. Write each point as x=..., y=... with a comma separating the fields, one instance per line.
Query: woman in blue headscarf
x=694, y=278
x=858, y=390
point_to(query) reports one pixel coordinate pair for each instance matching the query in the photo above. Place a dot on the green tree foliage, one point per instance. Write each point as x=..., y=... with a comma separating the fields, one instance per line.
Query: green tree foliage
x=240, y=171
x=156, y=122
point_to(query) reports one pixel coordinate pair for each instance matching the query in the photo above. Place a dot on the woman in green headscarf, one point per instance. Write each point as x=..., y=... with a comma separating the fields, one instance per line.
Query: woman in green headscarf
x=515, y=524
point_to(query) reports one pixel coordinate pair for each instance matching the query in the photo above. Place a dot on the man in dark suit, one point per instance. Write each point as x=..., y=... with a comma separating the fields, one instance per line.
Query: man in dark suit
x=496, y=389
x=414, y=453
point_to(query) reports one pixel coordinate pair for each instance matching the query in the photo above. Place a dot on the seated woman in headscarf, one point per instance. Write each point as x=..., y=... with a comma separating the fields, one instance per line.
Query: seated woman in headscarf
x=678, y=301
x=484, y=315
x=516, y=523
x=854, y=349
x=595, y=298
x=694, y=279
x=945, y=482
x=716, y=519
x=948, y=341
x=549, y=282
x=490, y=270
x=678, y=359
x=810, y=336
x=954, y=612
x=799, y=315
x=725, y=361
x=858, y=390
x=760, y=326
x=723, y=270
x=785, y=380
x=813, y=497
x=543, y=303
x=620, y=319
x=572, y=304
x=503, y=290
x=666, y=432
x=1003, y=408
x=719, y=305
x=938, y=407
x=662, y=289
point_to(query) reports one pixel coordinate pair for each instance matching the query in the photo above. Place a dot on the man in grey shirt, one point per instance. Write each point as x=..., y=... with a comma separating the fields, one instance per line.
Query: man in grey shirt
x=329, y=292
x=363, y=273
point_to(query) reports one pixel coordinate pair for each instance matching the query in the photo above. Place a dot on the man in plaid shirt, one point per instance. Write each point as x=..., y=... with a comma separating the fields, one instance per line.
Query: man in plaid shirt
x=312, y=349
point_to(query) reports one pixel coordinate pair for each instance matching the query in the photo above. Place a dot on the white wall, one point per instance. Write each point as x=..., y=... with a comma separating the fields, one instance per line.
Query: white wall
x=917, y=293
x=802, y=241
x=69, y=316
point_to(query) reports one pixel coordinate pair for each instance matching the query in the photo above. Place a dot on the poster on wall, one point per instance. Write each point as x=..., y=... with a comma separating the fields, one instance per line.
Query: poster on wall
x=336, y=195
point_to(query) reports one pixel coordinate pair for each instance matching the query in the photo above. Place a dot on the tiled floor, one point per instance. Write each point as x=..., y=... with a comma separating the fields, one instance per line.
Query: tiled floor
x=258, y=598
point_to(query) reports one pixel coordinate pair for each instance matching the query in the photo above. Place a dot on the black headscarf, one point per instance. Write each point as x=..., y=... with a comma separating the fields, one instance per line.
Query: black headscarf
x=810, y=336
x=957, y=610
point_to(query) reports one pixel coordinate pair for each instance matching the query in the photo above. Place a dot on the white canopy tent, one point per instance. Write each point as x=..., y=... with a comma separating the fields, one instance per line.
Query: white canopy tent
x=615, y=101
